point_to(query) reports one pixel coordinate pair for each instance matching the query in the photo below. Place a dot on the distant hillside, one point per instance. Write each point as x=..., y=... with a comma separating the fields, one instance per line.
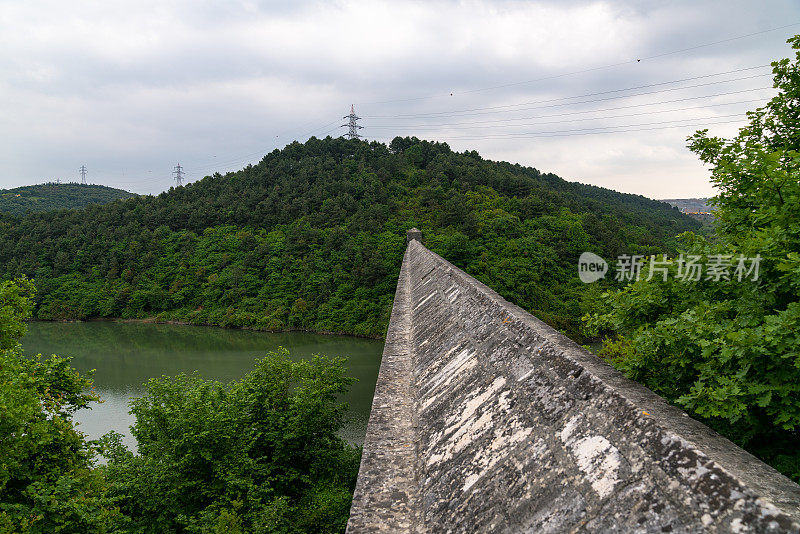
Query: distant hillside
x=50, y=196
x=690, y=205
x=312, y=237
x=696, y=208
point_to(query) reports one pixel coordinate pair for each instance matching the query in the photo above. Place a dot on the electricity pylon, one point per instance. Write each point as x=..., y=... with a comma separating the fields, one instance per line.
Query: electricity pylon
x=352, y=125
x=178, y=172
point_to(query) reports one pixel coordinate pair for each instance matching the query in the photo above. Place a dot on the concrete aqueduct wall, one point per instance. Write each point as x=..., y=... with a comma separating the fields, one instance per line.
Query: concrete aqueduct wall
x=487, y=420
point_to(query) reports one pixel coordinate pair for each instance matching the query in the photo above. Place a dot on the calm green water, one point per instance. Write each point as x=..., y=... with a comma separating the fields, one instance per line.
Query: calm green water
x=126, y=355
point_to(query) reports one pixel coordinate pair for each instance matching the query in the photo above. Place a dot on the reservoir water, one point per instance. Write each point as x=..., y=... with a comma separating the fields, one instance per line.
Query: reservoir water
x=126, y=355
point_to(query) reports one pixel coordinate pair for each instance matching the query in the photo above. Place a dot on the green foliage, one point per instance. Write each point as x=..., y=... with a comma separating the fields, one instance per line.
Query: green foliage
x=257, y=455
x=312, y=238
x=46, y=479
x=52, y=196
x=15, y=308
x=729, y=352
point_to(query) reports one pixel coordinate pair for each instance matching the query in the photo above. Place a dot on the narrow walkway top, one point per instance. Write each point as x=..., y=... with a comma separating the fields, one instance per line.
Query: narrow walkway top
x=487, y=420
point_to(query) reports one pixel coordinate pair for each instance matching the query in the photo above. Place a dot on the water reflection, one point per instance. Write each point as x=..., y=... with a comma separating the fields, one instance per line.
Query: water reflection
x=126, y=355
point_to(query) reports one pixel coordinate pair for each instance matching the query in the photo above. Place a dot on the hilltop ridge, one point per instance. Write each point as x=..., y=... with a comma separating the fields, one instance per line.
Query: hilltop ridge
x=312, y=236
x=53, y=196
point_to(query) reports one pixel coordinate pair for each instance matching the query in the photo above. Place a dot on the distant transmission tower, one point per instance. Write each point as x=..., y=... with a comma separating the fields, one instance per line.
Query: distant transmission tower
x=178, y=172
x=83, y=174
x=352, y=125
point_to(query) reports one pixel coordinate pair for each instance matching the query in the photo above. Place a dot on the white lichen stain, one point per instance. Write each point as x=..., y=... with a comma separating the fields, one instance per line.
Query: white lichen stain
x=600, y=461
x=463, y=427
x=462, y=362
x=472, y=405
x=469, y=432
x=766, y=507
x=569, y=428
x=500, y=447
x=470, y=480
x=595, y=456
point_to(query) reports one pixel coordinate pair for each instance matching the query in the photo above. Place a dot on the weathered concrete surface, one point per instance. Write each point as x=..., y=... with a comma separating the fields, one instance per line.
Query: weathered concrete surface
x=487, y=420
x=412, y=235
x=388, y=475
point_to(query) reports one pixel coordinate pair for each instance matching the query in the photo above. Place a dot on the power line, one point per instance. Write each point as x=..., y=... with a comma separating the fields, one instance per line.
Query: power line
x=624, y=96
x=569, y=133
x=353, y=126
x=608, y=129
x=515, y=122
x=554, y=102
x=631, y=61
x=217, y=165
x=321, y=127
x=503, y=123
x=504, y=108
x=728, y=40
x=242, y=159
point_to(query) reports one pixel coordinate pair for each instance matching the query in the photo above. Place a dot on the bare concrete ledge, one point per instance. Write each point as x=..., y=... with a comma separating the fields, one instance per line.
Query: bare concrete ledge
x=487, y=420
x=387, y=477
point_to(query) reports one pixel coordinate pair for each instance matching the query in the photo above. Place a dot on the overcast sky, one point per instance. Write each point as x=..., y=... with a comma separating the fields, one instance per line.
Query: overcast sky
x=130, y=89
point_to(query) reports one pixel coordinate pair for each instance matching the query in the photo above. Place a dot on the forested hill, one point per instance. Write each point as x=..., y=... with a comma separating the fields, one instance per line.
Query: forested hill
x=312, y=237
x=52, y=196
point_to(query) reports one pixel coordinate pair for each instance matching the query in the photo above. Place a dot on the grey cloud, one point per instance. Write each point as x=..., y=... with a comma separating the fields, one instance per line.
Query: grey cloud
x=143, y=86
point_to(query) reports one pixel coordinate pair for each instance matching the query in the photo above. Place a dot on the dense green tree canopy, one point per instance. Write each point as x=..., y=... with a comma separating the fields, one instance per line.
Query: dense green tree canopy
x=728, y=351
x=312, y=237
x=52, y=196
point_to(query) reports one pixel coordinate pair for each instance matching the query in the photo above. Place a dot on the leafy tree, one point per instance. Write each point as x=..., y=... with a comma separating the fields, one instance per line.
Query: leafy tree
x=728, y=351
x=47, y=483
x=257, y=455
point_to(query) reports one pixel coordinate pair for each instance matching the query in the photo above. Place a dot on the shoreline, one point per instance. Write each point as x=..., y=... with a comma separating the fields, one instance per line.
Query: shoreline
x=155, y=320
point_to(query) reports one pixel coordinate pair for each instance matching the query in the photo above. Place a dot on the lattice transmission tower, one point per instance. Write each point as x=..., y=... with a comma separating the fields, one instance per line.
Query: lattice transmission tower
x=352, y=124
x=178, y=172
x=83, y=174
